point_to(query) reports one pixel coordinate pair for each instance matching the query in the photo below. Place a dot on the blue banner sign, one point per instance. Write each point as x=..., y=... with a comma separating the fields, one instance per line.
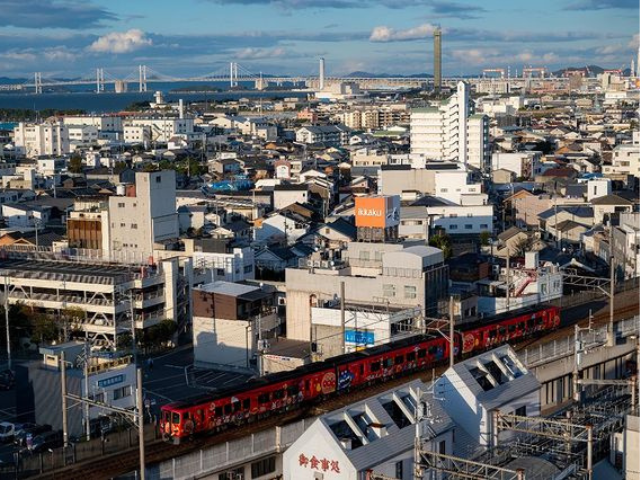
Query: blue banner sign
x=359, y=337
x=107, y=382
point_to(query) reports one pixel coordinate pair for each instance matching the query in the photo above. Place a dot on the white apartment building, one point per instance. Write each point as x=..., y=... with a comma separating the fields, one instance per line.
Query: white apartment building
x=450, y=131
x=223, y=261
x=47, y=138
x=417, y=221
x=625, y=162
x=137, y=134
x=161, y=128
x=82, y=133
x=453, y=185
x=145, y=215
x=108, y=123
x=521, y=163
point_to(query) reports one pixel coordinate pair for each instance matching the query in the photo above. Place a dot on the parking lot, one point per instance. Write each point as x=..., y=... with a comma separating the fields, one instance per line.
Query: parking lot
x=173, y=378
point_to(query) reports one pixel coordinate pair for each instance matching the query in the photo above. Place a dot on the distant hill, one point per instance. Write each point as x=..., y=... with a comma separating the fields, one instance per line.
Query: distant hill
x=594, y=69
x=11, y=81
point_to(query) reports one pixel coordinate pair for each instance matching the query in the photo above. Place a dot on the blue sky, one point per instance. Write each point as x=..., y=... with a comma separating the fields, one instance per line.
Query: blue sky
x=195, y=37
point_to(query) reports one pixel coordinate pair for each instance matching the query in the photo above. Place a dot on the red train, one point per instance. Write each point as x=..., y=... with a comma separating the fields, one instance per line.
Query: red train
x=279, y=392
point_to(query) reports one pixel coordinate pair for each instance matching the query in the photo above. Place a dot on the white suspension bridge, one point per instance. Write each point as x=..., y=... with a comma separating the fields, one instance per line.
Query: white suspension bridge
x=232, y=75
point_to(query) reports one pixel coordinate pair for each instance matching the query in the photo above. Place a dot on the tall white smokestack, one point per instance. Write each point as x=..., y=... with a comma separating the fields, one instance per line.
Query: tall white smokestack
x=321, y=74
x=181, y=108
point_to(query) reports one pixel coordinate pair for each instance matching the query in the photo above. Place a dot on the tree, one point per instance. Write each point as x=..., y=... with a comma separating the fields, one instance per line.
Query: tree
x=75, y=163
x=443, y=242
x=44, y=330
x=522, y=246
x=484, y=238
x=70, y=320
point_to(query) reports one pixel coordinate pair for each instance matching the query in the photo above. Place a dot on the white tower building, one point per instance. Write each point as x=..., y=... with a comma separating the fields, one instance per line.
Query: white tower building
x=450, y=131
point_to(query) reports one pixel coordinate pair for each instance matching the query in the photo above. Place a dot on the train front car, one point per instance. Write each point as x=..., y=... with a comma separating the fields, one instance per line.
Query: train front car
x=171, y=422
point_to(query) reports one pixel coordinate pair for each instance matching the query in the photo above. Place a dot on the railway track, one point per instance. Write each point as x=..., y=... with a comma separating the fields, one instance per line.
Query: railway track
x=158, y=451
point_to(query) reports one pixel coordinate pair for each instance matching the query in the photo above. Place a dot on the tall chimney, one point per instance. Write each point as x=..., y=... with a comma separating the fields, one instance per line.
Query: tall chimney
x=181, y=108
x=321, y=76
x=437, y=59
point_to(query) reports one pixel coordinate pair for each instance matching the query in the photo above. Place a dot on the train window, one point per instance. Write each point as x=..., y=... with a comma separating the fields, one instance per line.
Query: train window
x=246, y=403
x=411, y=356
x=530, y=323
x=227, y=409
x=306, y=385
x=492, y=333
x=166, y=416
x=278, y=394
x=293, y=390
x=185, y=416
x=399, y=359
x=375, y=366
x=175, y=418
x=433, y=349
x=512, y=328
x=361, y=369
x=502, y=330
x=218, y=411
x=422, y=353
x=387, y=362
x=263, y=398
x=199, y=414
x=236, y=407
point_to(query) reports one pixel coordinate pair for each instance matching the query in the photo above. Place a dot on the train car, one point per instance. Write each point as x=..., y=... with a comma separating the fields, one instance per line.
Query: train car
x=510, y=329
x=255, y=399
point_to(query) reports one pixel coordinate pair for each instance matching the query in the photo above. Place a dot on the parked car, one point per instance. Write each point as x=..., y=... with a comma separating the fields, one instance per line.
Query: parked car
x=7, y=431
x=45, y=441
x=32, y=429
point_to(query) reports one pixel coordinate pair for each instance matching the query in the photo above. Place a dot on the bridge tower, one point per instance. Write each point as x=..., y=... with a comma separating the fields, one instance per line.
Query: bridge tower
x=233, y=74
x=99, y=80
x=38, y=82
x=321, y=75
x=142, y=77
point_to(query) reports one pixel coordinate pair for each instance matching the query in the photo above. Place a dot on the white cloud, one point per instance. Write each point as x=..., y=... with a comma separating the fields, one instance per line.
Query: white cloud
x=387, y=34
x=635, y=41
x=121, y=42
x=259, y=53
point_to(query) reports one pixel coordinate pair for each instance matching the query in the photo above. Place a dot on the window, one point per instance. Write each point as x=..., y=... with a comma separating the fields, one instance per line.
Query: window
x=469, y=215
x=375, y=366
x=468, y=226
x=120, y=205
x=175, y=418
x=389, y=290
x=220, y=272
x=422, y=353
x=453, y=215
x=123, y=225
x=364, y=255
x=227, y=409
x=158, y=179
x=484, y=225
x=248, y=268
x=263, y=398
x=410, y=291
x=123, y=392
x=246, y=403
x=444, y=190
x=453, y=227
x=399, y=359
x=521, y=411
x=134, y=226
x=234, y=474
x=398, y=469
x=263, y=467
x=442, y=447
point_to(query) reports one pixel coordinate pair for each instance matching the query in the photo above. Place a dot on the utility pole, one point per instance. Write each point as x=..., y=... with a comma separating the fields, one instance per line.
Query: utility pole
x=140, y=421
x=611, y=339
x=6, y=317
x=87, y=421
x=342, y=318
x=65, y=423
x=508, y=276
x=452, y=355
x=133, y=327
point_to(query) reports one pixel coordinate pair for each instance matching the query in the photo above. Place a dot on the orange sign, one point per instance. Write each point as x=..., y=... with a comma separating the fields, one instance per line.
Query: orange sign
x=377, y=212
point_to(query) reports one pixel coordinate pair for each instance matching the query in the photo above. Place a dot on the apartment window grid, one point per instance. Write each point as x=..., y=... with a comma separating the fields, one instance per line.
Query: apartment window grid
x=389, y=290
